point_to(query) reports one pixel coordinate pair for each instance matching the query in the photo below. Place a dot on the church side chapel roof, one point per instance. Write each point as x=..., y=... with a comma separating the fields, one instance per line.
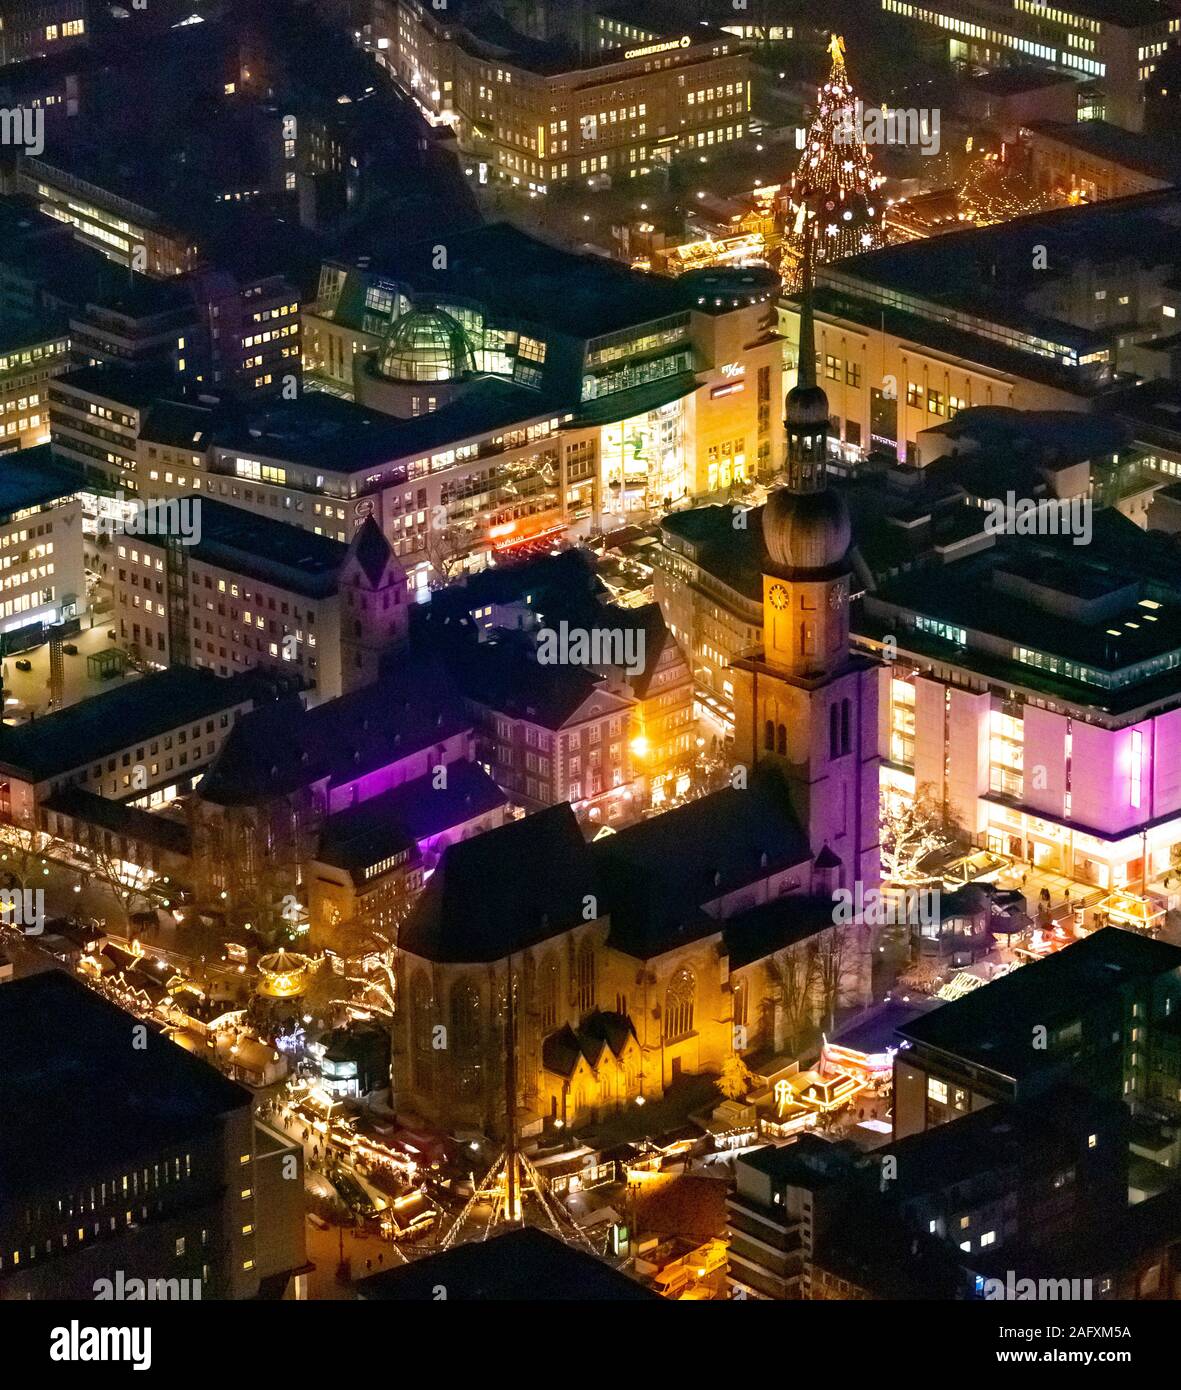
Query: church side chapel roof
x=598, y=1033
x=527, y=882
x=288, y=747
x=760, y=931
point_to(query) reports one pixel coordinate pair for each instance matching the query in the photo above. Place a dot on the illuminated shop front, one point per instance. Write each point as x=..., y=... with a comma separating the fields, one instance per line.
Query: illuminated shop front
x=642, y=461
x=1058, y=847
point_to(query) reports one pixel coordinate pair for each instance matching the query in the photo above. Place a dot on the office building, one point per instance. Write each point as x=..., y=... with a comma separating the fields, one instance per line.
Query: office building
x=166, y=1176
x=32, y=350
x=152, y=736
x=1048, y=318
x=245, y=591
x=1111, y=45
x=38, y=28
x=42, y=574
x=1098, y=1014
x=596, y=106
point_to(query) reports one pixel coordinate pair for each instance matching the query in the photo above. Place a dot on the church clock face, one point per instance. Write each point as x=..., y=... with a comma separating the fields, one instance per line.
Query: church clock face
x=836, y=598
x=778, y=596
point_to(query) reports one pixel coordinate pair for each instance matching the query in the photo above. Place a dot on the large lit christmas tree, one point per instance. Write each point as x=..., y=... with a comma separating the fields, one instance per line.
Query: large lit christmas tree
x=834, y=184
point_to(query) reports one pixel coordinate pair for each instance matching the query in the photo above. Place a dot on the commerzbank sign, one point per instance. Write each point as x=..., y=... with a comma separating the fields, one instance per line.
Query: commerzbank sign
x=682, y=42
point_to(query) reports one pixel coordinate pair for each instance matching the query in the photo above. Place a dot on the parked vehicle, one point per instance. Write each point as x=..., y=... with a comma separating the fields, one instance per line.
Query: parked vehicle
x=24, y=664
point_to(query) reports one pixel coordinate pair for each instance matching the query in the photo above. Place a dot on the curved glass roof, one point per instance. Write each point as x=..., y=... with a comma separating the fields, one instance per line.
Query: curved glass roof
x=426, y=345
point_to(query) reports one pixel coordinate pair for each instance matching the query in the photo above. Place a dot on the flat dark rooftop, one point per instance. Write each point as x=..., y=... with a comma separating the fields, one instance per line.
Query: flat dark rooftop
x=140, y=709
x=989, y=273
x=31, y=478
x=136, y=389
x=1152, y=410
x=963, y=594
x=1129, y=148
x=524, y=1265
x=992, y=1026
x=810, y=1162
x=77, y=1098
x=19, y=331
x=334, y=435
x=518, y=276
x=1010, y=81
x=260, y=547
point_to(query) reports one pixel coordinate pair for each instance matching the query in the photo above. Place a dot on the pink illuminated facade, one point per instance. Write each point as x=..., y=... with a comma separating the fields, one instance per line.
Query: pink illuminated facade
x=1073, y=765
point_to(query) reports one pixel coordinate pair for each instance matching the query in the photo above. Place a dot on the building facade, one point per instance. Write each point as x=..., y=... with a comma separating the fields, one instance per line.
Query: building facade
x=542, y=115
x=205, y=1207
x=247, y=592
x=31, y=352
x=1111, y=47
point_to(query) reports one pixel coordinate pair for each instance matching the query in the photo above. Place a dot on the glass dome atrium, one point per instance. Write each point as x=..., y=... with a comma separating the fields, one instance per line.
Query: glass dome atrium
x=426, y=345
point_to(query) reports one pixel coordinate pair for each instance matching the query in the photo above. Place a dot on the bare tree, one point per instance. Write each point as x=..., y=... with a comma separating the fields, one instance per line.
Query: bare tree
x=251, y=861
x=792, y=974
x=446, y=548
x=25, y=854
x=132, y=886
x=910, y=831
x=838, y=958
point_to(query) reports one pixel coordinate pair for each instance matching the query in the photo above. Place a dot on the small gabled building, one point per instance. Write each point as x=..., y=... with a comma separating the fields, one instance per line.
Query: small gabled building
x=589, y=1068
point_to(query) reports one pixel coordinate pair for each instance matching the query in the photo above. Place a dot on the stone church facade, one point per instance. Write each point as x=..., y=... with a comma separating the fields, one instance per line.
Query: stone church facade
x=667, y=948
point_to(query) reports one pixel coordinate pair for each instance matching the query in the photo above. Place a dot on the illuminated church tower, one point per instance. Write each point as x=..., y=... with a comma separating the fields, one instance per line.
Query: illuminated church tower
x=805, y=704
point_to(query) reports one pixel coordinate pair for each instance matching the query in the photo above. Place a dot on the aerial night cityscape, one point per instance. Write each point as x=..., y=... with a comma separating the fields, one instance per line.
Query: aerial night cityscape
x=590, y=651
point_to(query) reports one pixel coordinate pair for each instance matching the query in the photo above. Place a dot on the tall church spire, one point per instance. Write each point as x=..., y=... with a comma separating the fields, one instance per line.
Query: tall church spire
x=806, y=416
x=806, y=368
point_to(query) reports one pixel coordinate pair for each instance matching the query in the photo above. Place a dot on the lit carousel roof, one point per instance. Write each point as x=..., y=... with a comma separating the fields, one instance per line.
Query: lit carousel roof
x=283, y=975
